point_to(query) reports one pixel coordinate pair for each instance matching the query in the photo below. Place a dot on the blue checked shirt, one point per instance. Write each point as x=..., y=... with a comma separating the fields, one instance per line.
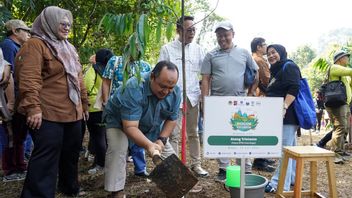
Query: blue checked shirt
x=137, y=103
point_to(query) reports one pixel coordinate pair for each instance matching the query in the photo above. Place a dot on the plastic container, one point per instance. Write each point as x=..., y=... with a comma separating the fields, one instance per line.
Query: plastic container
x=233, y=176
x=254, y=188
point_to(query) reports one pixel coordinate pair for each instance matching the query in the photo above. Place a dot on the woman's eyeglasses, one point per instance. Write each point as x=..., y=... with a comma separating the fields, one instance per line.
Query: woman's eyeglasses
x=28, y=31
x=66, y=25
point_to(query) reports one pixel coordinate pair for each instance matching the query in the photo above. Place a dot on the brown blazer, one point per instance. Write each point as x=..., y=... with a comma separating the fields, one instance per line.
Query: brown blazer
x=264, y=72
x=42, y=85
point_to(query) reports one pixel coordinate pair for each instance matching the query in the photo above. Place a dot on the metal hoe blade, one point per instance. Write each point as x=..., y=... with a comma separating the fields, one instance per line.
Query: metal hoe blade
x=173, y=177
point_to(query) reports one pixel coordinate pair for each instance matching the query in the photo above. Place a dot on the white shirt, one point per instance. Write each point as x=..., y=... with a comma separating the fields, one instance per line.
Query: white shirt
x=194, y=55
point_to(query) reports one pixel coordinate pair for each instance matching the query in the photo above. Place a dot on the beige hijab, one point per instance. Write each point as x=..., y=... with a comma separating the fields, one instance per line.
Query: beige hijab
x=46, y=28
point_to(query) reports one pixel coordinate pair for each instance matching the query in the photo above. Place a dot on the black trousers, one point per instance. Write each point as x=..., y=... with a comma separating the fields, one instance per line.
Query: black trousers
x=319, y=116
x=97, y=137
x=55, y=153
x=323, y=141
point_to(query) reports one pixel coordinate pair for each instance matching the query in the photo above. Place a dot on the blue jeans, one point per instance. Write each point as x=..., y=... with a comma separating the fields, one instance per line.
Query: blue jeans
x=288, y=139
x=138, y=156
x=3, y=140
x=200, y=123
x=28, y=145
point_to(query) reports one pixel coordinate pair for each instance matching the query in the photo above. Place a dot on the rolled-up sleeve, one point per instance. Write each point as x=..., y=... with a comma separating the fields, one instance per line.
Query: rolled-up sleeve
x=130, y=100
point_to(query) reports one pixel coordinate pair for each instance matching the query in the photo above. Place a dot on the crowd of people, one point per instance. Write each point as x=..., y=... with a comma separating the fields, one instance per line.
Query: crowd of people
x=53, y=98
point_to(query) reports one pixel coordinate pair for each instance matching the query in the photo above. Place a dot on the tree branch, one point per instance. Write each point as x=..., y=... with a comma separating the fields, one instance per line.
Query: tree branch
x=89, y=25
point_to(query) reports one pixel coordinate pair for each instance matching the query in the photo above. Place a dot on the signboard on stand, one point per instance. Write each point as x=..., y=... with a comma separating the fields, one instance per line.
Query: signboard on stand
x=242, y=127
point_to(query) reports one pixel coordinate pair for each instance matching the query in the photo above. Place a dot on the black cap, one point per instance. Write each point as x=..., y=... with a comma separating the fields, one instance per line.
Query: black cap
x=102, y=57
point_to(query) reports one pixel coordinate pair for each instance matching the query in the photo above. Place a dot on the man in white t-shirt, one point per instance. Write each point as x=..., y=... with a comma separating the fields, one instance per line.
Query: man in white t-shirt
x=194, y=55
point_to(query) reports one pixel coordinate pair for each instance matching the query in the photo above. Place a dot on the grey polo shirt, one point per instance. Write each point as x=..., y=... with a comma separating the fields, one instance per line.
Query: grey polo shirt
x=227, y=70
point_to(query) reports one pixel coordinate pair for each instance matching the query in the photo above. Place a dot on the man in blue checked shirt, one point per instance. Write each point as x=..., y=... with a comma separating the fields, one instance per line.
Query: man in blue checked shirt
x=144, y=113
x=112, y=79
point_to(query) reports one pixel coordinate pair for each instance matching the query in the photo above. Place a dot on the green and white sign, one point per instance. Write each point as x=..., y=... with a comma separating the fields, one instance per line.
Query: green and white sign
x=242, y=127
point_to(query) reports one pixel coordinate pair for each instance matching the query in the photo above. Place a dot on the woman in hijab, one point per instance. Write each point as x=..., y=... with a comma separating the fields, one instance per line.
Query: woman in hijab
x=53, y=102
x=284, y=82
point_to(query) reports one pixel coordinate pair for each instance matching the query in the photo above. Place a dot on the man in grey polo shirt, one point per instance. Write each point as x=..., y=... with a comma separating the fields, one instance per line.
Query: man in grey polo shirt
x=223, y=75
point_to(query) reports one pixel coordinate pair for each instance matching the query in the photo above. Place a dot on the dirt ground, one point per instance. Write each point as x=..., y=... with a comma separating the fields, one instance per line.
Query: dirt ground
x=137, y=187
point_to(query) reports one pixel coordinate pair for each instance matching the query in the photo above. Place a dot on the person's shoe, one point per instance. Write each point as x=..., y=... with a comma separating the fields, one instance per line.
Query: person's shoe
x=318, y=145
x=96, y=170
x=129, y=159
x=80, y=193
x=14, y=177
x=267, y=168
x=22, y=175
x=221, y=177
x=269, y=161
x=118, y=194
x=345, y=158
x=90, y=158
x=196, y=189
x=262, y=165
x=345, y=154
x=338, y=159
x=142, y=174
x=27, y=156
x=269, y=188
x=200, y=171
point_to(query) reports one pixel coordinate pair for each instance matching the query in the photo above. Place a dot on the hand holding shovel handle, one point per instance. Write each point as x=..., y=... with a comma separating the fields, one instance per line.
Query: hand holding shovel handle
x=156, y=158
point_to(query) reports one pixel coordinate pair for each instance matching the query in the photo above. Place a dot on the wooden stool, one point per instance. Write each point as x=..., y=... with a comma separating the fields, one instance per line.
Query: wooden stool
x=313, y=154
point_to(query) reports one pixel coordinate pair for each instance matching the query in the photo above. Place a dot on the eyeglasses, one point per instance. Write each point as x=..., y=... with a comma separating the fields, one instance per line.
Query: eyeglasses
x=66, y=25
x=191, y=30
x=28, y=31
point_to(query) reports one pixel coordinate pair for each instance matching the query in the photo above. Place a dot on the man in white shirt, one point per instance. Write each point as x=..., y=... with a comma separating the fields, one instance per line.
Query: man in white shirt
x=194, y=55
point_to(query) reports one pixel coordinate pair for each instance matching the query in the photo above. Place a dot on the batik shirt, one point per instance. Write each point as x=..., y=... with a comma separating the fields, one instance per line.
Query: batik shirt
x=116, y=74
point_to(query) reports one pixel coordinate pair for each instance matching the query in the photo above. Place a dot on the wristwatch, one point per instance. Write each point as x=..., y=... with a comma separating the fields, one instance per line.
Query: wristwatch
x=163, y=139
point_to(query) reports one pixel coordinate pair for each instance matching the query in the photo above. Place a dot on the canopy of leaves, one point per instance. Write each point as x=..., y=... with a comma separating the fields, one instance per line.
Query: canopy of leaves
x=303, y=56
x=85, y=34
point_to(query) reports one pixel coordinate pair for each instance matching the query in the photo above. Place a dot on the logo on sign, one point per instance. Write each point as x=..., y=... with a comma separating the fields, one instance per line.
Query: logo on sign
x=243, y=122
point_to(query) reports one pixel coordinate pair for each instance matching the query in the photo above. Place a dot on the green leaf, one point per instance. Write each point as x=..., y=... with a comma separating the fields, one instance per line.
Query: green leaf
x=129, y=24
x=321, y=64
x=132, y=46
x=103, y=21
x=158, y=30
x=169, y=30
x=117, y=24
x=138, y=67
x=122, y=24
x=141, y=27
x=146, y=33
x=125, y=71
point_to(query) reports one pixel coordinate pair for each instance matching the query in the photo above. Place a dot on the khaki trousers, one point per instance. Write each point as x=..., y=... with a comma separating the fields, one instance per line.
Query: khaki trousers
x=341, y=119
x=115, y=159
x=192, y=134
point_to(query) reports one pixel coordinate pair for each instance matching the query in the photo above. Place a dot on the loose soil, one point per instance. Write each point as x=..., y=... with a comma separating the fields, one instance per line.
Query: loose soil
x=139, y=187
